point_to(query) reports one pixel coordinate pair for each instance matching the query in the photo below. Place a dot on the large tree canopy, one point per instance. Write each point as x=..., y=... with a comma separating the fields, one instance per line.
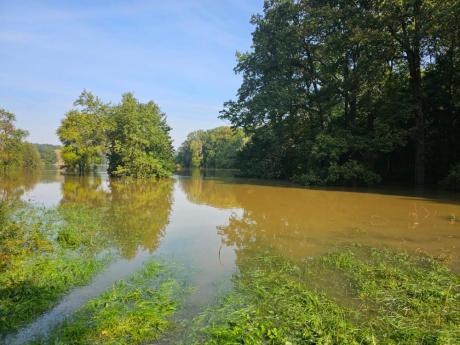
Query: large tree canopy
x=83, y=133
x=139, y=141
x=339, y=91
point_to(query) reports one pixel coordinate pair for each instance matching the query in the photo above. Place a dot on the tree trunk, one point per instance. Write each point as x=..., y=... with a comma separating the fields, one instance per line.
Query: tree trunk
x=413, y=57
x=410, y=43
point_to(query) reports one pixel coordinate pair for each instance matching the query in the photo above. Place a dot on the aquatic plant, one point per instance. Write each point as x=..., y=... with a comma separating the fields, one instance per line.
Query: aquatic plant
x=131, y=312
x=356, y=296
x=44, y=254
x=405, y=299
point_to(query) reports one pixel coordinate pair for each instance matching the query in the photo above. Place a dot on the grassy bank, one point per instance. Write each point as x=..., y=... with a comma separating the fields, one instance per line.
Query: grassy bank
x=135, y=311
x=44, y=253
x=355, y=296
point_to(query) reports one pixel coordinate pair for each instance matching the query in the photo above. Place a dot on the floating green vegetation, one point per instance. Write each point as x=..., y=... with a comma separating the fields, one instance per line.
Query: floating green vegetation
x=131, y=312
x=356, y=296
x=44, y=253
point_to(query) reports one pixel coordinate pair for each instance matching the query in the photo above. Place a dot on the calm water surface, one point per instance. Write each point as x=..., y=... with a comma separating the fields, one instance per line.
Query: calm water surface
x=207, y=223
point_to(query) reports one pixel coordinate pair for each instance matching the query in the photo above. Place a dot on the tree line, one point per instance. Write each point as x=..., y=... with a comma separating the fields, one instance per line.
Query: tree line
x=351, y=92
x=15, y=152
x=48, y=153
x=212, y=149
x=334, y=92
x=133, y=136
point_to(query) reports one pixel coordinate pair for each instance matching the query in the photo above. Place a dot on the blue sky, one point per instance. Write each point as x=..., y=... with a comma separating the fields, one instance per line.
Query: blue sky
x=179, y=53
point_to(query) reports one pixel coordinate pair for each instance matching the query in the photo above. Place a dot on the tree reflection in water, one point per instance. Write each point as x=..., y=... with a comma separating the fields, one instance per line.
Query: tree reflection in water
x=136, y=211
x=207, y=191
x=139, y=212
x=13, y=184
x=299, y=222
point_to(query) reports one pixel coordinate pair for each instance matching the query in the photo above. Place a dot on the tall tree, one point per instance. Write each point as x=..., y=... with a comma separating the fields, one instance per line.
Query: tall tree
x=335, y=91
x=11, y=140
x=83, y=133
x=409, y=23
x=140, y=144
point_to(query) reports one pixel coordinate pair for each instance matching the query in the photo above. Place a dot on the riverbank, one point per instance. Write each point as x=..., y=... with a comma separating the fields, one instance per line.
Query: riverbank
x=44, y=254
x=354, y=294
x=133, y=311
x=267, y=264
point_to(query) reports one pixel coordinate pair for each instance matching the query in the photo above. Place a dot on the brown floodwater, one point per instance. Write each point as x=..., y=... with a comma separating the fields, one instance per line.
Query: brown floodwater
x=208, y=222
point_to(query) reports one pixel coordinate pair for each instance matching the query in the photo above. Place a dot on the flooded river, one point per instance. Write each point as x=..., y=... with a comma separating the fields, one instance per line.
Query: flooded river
x=208, y=222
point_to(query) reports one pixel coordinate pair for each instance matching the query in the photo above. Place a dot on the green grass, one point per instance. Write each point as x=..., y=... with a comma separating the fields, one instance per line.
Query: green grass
x=135, y=311
x=353, y=296
x=408, y=299
x=38, y=264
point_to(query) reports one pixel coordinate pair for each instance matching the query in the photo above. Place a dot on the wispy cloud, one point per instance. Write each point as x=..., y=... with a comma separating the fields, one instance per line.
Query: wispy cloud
x=179, y=53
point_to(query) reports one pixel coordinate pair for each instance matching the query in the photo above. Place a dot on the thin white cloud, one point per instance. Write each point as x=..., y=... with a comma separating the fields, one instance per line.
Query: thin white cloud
x=178, y=53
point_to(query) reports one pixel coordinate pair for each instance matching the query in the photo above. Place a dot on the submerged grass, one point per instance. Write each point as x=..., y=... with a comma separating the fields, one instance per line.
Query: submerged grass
x=39, y=264
x=386, y=298
x=355, y=295
x=409, y=299
x=135, y=311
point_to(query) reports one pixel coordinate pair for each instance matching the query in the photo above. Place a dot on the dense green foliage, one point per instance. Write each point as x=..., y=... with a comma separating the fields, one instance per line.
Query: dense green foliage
x=347, y=92
x=140, y=145
x=133, y=135
x=356, y=296
x=48, y=153
x=214, y=148
x=31, y=158
x=11, y=140
x=83, y=133
x=131, y=312
x=14, y=151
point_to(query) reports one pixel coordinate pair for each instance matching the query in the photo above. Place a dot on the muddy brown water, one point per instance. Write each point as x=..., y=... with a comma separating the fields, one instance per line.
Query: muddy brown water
x=207, y=222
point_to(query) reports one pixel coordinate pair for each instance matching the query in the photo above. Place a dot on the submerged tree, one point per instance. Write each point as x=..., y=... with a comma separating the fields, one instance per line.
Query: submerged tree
x=338, y=92
x=133, y=135
x=415, y=26
x=139, y=140
x=14, y=151
x=11, y=141
x=83, y=133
